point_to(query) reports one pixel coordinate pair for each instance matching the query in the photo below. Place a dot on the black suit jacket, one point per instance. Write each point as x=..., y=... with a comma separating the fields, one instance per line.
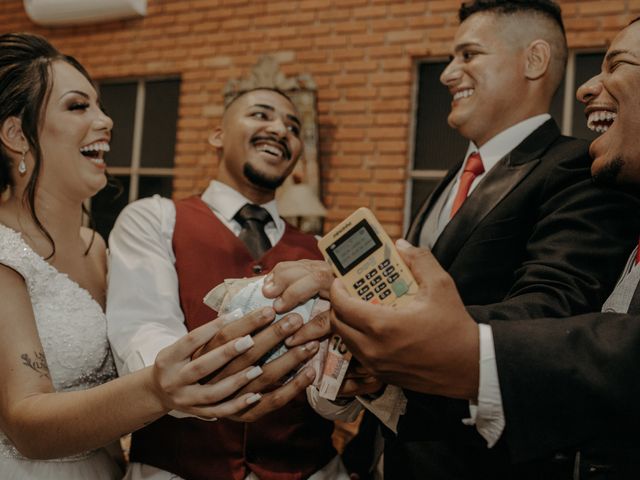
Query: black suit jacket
x=572, y=384
x=535, y=239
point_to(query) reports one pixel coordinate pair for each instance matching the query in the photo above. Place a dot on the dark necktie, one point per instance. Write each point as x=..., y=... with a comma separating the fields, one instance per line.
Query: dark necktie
x=472, y=168
x=252, y=219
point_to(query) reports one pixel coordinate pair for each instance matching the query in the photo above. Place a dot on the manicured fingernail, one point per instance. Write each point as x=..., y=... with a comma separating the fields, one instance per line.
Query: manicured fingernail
x=243, y=344
x=402, y=244
x=253, y=373
x=267, y=312
x=253, y=398
x=232, y=316
x=310, y=373
x=290, y=340
x=311, y=346
x=268, y=281
x=291, y=322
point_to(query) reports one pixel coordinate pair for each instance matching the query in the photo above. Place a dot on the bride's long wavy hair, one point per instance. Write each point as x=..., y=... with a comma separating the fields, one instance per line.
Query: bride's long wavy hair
x=25, y=85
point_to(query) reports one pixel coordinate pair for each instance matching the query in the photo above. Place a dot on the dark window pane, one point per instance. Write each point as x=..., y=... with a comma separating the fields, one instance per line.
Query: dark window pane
x=160, y=119
x=107, y=204
x=438, y=146
x=587, y=65
x=420, y=190
x=149, y=186
x=119, y=100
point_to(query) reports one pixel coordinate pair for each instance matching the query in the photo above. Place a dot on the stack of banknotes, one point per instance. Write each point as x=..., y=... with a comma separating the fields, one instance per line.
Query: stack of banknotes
x=332, y=359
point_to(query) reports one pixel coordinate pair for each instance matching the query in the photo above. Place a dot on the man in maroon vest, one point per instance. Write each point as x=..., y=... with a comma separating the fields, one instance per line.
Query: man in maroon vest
x=165, y=256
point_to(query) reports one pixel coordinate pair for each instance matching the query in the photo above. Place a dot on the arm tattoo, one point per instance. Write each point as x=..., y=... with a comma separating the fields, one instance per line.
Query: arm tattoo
x=38, y=365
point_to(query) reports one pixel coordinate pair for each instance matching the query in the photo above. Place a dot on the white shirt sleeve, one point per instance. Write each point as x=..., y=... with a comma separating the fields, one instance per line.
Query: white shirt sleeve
x=488, y=414
x=143, y=306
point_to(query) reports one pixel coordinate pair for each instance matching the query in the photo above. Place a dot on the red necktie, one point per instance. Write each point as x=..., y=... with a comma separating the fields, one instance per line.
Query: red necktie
x=473, y=167
x=638, y=253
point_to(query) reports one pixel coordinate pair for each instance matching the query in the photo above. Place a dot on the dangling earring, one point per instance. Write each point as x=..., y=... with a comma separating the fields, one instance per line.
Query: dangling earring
x=22, y=166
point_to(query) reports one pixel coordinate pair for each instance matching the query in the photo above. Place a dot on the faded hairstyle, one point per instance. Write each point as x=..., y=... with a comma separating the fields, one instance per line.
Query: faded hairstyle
x=242, y=93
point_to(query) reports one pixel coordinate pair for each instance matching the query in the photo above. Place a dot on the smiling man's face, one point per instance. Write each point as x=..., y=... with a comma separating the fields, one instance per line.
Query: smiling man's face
x=259, y=142
x=485, y=77
x=612, y=103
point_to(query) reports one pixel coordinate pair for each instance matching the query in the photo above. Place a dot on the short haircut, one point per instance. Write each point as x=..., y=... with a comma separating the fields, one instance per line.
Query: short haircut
x=548, y=8
x=549, y=26
x=242, y=93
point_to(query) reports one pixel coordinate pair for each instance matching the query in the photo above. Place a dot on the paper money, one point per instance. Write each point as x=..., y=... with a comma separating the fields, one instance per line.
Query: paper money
x=219, y=297
x=335, y=368
x=332, y=362
x=246, y=294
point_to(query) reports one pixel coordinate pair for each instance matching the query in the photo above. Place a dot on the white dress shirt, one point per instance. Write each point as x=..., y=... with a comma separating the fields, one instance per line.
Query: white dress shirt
x=143, y=304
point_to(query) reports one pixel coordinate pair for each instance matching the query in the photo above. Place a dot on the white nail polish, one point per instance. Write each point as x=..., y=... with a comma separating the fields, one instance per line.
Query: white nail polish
x=254, y=372
x=253, y=398
x=244, y=343
x=232, y=316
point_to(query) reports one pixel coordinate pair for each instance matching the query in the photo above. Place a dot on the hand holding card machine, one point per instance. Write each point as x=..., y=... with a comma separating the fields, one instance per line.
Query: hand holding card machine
x=362, y=254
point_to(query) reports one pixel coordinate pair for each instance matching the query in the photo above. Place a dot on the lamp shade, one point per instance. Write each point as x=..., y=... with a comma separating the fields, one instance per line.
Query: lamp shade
x=299, y=200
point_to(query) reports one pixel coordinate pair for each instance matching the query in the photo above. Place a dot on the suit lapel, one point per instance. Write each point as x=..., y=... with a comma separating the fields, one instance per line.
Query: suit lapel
x=413, y=234
x=493, y=188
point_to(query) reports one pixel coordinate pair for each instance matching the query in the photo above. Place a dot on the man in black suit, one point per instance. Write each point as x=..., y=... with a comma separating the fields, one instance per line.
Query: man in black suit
x=565, y=384
x=525, y=235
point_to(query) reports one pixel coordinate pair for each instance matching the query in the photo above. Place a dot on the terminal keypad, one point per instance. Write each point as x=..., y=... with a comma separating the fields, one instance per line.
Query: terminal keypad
x=382, y=280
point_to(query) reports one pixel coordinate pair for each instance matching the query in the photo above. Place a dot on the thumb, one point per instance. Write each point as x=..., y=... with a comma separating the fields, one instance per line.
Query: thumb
x=421, y=262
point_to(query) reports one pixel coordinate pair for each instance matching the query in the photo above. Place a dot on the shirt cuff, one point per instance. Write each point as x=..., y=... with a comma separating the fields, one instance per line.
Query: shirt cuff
x=346, y=412
x=487, y=415
x=144, y=348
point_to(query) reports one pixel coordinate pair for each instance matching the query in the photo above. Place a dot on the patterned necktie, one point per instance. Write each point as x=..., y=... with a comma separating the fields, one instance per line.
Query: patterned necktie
x=252, y=219
x=472, y=168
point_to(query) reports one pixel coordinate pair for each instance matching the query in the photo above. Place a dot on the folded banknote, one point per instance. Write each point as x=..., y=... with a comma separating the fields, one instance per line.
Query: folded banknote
x=246, y=294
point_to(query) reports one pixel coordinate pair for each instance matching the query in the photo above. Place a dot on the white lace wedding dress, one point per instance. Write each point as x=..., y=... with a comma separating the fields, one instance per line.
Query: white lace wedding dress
x=72, y=328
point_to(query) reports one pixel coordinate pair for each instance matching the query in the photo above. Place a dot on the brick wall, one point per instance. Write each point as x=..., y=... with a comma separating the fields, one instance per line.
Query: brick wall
x=360, y=53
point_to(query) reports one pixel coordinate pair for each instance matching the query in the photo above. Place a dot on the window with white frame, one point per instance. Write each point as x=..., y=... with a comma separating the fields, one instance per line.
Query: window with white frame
x=437, y=147
x=141, y=160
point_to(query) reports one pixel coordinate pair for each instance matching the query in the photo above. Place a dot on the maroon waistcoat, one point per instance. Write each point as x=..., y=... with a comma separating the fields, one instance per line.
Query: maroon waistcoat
x=288, y=444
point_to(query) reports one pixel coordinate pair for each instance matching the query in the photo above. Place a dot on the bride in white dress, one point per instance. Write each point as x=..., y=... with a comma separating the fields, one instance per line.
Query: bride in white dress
x=59, y=406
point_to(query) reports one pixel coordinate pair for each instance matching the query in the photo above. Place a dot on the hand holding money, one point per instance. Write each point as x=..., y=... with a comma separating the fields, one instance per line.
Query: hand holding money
x=292, y=283
x=265, y=335
x=245, y=295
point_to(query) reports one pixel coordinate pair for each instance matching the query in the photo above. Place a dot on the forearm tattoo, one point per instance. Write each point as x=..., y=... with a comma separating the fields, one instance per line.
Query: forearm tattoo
x=37, y=364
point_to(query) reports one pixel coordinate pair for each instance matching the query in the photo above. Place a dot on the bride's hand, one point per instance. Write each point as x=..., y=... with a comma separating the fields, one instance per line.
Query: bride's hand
x=224, y=355
x=269, y=383
x=176, y=374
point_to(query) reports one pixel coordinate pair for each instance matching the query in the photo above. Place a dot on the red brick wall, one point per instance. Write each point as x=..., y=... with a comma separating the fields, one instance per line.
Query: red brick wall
x=360, y=53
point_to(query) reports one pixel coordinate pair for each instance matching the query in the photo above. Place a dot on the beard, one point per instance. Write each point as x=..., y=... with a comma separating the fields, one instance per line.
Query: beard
x=261, y=180
x=608, y=175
